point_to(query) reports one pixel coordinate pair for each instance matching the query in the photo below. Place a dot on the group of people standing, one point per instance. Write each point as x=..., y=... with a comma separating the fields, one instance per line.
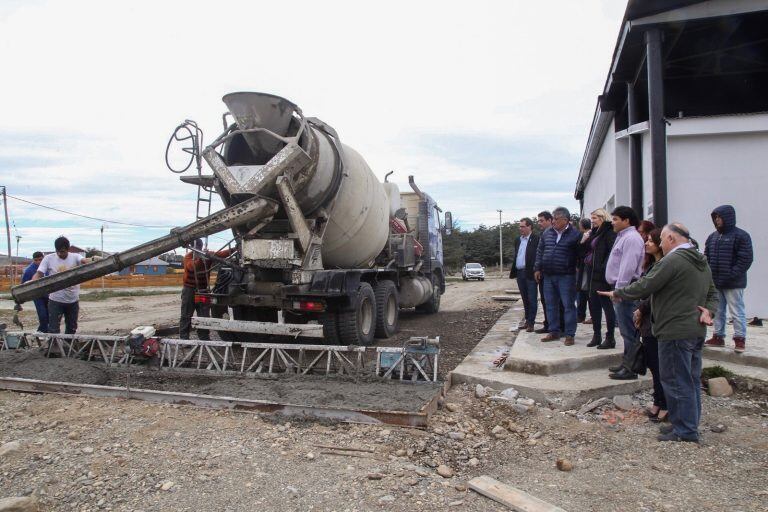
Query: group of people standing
x=650, y=282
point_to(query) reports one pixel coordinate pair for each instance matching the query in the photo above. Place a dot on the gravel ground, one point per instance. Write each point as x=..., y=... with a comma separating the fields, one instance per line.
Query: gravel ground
x=104, y=454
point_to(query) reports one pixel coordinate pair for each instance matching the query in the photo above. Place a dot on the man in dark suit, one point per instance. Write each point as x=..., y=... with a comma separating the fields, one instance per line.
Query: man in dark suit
x=522, y=269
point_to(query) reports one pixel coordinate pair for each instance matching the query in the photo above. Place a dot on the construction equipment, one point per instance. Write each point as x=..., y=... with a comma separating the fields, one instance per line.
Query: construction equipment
x=321, y=245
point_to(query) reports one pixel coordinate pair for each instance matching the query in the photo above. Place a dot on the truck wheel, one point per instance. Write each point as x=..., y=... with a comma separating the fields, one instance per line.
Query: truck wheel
x=357, y=325
x=330, y=322
x=433, y=304
x=387, y=309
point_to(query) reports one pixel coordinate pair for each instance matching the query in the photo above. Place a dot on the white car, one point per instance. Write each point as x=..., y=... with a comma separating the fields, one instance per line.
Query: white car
x=473, y=271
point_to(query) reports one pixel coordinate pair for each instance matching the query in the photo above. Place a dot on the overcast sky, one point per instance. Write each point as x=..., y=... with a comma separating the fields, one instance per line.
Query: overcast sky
x=487, y=104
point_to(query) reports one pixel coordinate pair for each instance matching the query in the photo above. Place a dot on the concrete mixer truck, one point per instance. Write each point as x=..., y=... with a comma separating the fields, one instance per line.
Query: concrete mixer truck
x=322, y=249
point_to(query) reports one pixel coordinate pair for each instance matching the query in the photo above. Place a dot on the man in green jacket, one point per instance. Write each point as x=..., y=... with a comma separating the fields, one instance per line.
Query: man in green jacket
x=683, y=303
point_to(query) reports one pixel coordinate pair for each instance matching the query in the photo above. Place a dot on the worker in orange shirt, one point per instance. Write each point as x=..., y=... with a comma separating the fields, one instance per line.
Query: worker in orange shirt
x=197, y=271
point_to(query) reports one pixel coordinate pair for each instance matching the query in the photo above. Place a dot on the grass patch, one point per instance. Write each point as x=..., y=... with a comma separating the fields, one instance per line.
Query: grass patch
x=109, y=294
x=712, y=372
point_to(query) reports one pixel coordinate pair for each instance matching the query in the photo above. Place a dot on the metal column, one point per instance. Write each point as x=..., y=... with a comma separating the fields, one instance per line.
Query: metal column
x=657, y=125
x=635, y=156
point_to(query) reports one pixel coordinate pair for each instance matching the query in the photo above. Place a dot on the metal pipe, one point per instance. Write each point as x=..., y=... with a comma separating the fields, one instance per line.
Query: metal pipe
x=657, y=125
x=249, y=210
x=635, y=155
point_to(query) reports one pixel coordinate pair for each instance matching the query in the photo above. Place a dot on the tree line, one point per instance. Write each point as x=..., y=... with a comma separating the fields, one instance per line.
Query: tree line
x=481, y=245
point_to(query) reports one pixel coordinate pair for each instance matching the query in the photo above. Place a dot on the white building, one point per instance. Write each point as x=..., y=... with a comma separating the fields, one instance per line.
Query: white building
x=681, y=126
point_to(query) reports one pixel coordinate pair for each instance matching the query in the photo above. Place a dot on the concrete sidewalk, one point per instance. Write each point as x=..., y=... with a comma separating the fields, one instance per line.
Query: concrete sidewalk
x=565, y=377
x=570, y=376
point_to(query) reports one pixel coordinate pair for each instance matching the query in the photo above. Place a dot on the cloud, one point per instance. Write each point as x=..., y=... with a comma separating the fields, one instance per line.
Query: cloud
x=488, y=105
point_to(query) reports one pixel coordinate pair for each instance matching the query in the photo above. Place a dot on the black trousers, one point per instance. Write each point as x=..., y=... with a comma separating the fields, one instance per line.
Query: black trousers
x=651, y=348
x=582, y=299
x=598, y=304
x=188, y=308
x=68, y=310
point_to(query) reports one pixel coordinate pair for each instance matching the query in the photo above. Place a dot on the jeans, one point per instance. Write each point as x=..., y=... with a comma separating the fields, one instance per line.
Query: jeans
x=561, y=290
x=651, y=346
x=41, y=306
x=624, y=311
x=734, y=299
x=188, y=308
x=680, y=368
x=68, y=310
x=530, y=294
x=598, y=304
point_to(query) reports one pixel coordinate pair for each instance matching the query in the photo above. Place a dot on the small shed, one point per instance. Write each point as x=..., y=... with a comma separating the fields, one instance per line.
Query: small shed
x=150, y=267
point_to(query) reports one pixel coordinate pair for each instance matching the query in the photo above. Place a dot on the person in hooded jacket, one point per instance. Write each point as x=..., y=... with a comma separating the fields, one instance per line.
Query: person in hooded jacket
x=729, y=253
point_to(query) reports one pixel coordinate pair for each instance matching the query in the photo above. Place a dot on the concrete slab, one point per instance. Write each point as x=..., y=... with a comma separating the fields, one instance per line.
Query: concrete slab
x=756, y=353
x=751, y=372
x=564, y=390
x=530, y=355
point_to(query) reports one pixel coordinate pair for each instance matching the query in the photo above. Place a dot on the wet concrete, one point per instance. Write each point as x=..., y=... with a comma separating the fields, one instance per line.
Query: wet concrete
x=314, y=391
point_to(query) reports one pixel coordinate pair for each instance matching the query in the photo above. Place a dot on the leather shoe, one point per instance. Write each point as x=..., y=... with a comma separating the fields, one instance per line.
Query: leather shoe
x=671, y=436
x=623, y=374
x=596, y=341
x=666, y=429
x=541, y=330
x=606, y=344
x=529, y=328
x=550, y=337
x=568, y=341
x=614, y=369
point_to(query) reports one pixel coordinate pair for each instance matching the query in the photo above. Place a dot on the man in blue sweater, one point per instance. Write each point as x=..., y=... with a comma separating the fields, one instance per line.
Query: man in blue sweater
x=729, y=253
x=41, y=304
x=556, y=267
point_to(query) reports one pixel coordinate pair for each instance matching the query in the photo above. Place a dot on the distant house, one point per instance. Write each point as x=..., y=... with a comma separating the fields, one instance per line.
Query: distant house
x=150, y=267
x=16, y=268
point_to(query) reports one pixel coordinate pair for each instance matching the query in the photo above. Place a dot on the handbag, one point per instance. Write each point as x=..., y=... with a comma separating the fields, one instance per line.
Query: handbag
x=635, y=358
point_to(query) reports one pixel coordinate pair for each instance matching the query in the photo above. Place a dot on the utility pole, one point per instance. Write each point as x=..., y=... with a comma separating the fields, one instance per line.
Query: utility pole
x=102, y=255
x=8, y=234
x=501, y=253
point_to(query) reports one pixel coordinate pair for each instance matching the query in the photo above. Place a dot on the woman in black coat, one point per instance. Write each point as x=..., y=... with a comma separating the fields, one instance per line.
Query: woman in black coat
x=642, y=317
x=598, y=249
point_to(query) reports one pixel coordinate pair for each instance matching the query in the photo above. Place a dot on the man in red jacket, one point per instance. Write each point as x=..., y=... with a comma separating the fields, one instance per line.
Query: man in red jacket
x=197, y=271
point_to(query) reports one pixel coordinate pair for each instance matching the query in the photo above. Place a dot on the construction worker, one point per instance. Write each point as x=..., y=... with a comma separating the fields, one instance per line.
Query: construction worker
x=41, y=304
x=197, y=270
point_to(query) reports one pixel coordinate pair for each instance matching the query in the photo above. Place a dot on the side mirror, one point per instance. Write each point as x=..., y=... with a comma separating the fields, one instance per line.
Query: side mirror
x=448, y=223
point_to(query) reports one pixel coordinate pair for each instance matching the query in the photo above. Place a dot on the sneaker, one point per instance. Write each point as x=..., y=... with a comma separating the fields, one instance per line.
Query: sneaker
x=739, y=342
x=568, y=341
x=715, y=341
x=550, y=337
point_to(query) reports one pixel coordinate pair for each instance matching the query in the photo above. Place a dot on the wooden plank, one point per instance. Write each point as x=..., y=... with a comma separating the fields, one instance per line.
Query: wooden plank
x=507, y=495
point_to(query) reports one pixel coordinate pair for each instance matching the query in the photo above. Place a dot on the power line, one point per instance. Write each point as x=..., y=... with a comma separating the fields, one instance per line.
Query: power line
x=92, y=218
x=86, y=216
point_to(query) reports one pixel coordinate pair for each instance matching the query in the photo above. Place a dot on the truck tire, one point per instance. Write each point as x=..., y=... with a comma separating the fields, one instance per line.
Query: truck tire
x=330, y=322
x=387, y=309
x=357, y=324
x=432, y=305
